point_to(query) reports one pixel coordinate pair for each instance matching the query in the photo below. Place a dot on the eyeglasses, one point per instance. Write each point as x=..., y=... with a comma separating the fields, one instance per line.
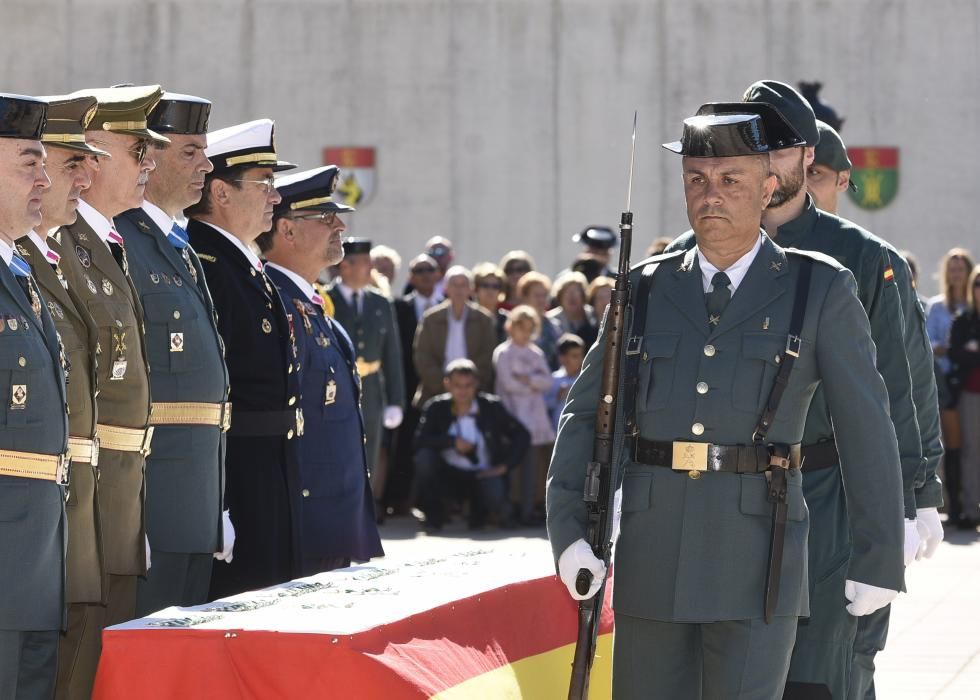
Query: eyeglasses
x=328, y=218
x=423, y=270
x=268, y=184
x=139, y=150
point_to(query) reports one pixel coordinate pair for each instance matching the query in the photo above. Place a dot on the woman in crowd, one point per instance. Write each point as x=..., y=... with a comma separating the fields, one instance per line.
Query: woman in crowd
x=600, y=292
x=534, y=289
x=515, y=265
x=954, y=272
x=523, y=378
x=489, y=282
x=573, y=314
x=964, y=353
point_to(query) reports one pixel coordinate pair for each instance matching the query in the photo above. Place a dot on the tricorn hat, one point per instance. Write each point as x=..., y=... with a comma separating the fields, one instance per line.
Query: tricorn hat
x=722, y=135
x=779, y=132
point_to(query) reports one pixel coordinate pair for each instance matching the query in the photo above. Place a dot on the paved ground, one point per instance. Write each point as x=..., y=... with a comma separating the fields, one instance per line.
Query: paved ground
x=934, y=643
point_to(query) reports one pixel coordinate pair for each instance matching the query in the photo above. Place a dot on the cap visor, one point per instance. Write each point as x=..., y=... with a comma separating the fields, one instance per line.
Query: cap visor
x=281, y=165
x=143, y=134
x=80, y=148
x=674, y=146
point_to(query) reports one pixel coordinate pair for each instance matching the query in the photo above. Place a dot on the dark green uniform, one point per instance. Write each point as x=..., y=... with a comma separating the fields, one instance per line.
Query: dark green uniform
x=695, y=551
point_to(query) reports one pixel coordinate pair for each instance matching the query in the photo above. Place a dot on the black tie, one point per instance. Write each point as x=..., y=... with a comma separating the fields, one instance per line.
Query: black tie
x=717, y=299
x=355, y=297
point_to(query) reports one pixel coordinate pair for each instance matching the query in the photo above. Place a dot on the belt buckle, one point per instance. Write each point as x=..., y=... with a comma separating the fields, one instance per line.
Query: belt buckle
x=225, y=416
x=95, y=451
x=61, y=472
x=690, y=457
x=793, y=344
x=147, y=438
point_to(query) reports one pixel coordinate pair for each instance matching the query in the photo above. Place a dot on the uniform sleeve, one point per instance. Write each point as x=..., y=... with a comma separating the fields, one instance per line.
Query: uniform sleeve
x=858, y=404
x=391, y=361
x=888, y=325
x=925, y=396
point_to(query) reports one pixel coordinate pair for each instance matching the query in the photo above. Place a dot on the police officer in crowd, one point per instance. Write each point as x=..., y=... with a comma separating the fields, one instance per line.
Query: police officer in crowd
x=34, y=436
x=262, y=488
x=338, y=508
x=712, y=481
x=369, y=319
x=904, y=360
x=188, y=379
x=67, y=153
x=101, y=280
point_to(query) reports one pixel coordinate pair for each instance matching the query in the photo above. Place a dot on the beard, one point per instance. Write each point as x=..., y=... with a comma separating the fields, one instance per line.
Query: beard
x=788, y=186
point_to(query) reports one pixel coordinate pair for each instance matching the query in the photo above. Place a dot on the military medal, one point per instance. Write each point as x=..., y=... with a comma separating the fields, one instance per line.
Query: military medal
x=35, y=301
x=155, y=278
x=331, y=393
x=190, y=265
x=12, y=324
x=266, y=326
x=178, y=281
x=120, y=363
x=83, y=256
x=323, y=341
x=91, y=285
x=18, y=396
x=107, y=287
x=176, y=342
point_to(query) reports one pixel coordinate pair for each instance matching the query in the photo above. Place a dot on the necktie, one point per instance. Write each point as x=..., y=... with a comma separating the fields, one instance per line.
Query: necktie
x=179, y=239
x=22, y=271
x=717, y=299
x=355, y=302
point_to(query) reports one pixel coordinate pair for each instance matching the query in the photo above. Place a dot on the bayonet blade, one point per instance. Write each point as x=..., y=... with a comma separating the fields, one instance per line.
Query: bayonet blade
x=629, y=189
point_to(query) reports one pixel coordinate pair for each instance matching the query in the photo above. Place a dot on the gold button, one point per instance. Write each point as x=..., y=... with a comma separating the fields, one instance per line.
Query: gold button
x=694, y=475
x=306, y=493
x=119, y=323
x=289, y=435
x=709, y=350
x=702, y=387
x=697, y=429
x=176, y=314
x=22, y=361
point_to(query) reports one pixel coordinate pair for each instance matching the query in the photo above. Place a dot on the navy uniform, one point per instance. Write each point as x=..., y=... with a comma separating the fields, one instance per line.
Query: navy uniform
x=33, y=457
x=692, y=561
x=101, y=281
x=822, y=655
x=262, y=490
x=189, y=384
x=338, y=507
x=78, y=651
x=378, y=349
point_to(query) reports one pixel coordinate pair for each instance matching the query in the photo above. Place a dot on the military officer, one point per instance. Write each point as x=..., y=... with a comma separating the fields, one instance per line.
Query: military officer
x=338, y=508
x=34, y=433
x=101, y=279
x=904, y=361
x=830, y=172
x=67, y=152
x=369, y=318
x=712, y=482
x=262, y=489
x=188, y=379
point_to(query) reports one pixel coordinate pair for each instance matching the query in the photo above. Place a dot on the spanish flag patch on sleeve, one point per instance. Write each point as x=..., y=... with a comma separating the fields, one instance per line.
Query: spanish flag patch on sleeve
x=889, y=274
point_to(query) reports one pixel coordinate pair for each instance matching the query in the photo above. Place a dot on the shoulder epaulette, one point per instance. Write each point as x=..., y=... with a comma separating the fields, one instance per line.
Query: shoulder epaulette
x=657, y=258
x=207, y=258
x=814, y=255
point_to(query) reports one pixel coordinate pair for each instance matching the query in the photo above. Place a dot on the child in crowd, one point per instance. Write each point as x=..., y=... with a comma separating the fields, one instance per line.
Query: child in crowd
x=523, y=377
x=571, y=355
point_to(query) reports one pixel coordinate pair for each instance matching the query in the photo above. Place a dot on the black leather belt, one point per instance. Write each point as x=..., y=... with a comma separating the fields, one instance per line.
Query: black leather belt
x=705, y=457
x=821, y=455
x=288, y=422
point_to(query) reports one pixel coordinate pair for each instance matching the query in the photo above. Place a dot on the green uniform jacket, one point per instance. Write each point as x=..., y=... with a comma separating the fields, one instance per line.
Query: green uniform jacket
x=866, y=256
x=109, y=296
x=80, y=339
x=697, y=550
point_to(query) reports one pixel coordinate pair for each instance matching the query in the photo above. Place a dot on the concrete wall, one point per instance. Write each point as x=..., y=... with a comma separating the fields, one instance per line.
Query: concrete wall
x=505, y=124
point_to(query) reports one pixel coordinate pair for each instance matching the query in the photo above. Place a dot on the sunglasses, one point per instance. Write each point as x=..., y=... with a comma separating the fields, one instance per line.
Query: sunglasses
x=423, y=270
x=438, y=251
x=328, y=218
x=489, y=285
x=268, y=184
x=139, y=150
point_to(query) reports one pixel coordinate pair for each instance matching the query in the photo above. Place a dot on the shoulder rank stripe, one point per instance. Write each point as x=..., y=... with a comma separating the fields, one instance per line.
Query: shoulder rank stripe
x=207, y=258
x=889, y=274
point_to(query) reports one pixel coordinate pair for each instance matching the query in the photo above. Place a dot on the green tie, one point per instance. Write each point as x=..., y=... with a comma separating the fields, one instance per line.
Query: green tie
x=717, y=299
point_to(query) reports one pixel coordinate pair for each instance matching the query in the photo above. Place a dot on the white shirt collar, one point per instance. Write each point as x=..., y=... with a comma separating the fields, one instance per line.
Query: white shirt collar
x=348, y=293
x=246, y=251
x=303, y=285
x=42, y=245
x=736, y=271
x=6, y=252
x=96, y=220
x=164, y=221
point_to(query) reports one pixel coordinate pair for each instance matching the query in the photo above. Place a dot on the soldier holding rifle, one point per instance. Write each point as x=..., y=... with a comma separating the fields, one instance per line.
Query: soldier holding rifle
x=727, y=344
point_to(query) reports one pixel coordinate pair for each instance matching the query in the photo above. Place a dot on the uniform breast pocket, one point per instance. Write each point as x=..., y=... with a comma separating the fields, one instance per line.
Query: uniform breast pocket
x=21, y=372
x=172, y=340
x=756, y=370
x=657, y=366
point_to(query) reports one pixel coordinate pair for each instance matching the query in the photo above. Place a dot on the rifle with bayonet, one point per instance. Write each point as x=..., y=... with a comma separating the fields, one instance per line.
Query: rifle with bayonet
x=600, y=474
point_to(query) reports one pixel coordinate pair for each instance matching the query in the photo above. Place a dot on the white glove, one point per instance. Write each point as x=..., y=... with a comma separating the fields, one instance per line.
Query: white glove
x=930, y=531
x=146, y=540
x=912, y=541
x=392, y=417
x=578, y=555
x=865, y=598
x=225, y=554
